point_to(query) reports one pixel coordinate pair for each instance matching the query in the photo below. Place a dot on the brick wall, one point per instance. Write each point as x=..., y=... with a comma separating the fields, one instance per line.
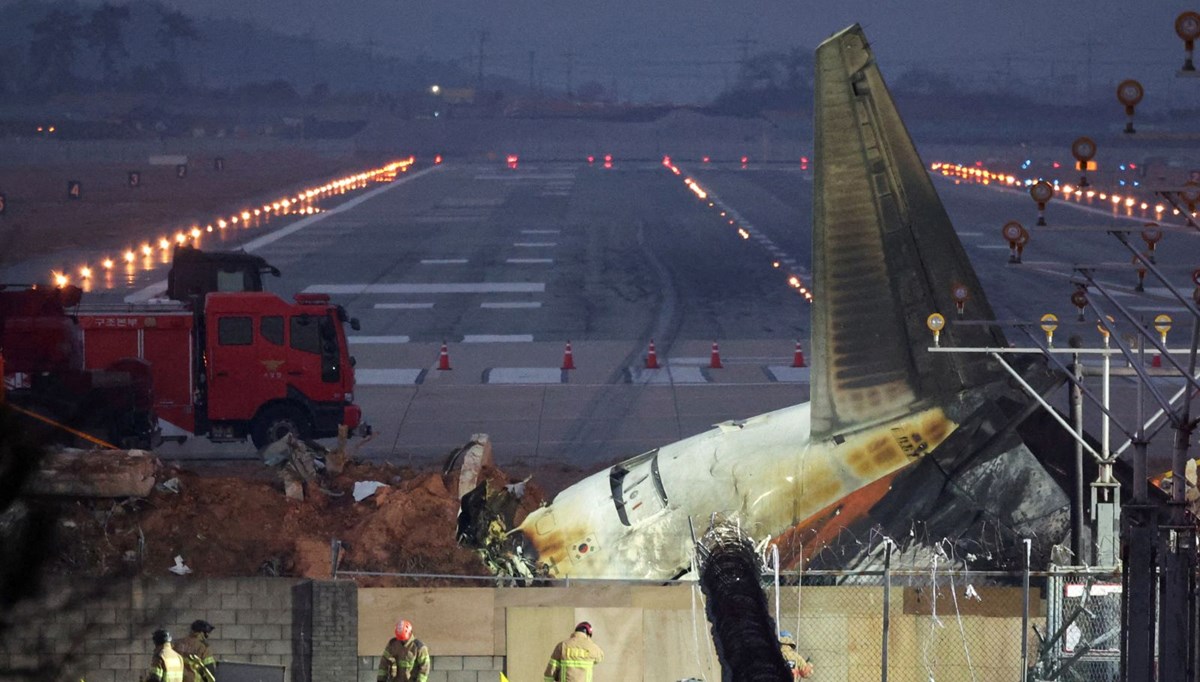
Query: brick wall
x=101, y=632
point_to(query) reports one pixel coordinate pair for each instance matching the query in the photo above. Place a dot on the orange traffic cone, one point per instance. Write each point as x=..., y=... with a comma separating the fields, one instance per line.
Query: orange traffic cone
x=798, y=358
x=444, y=358
x=652, y=357
x=568, y=357
x=715, y=361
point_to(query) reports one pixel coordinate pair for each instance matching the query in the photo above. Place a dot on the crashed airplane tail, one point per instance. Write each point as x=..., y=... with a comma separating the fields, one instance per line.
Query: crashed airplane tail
x=941, y=453
x=885, y=256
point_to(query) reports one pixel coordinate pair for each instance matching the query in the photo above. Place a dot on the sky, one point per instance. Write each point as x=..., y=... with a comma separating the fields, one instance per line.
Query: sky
x=691, y=47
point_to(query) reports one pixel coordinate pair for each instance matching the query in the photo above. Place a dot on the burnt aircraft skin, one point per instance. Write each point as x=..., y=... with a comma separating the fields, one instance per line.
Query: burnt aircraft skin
x=896, y=438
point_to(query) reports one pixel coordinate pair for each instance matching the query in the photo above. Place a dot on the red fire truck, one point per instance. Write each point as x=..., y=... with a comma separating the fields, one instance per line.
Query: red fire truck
x=222, y=364
x=250, y=364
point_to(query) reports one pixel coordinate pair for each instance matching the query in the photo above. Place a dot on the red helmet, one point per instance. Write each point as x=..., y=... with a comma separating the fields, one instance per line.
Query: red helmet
x=584, y=627
x=404, y=631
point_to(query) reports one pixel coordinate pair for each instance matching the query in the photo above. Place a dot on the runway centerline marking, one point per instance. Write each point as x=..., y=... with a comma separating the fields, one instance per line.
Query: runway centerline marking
x=534, y=245
x=528, y=261
x=403, y=306
x=443, y=261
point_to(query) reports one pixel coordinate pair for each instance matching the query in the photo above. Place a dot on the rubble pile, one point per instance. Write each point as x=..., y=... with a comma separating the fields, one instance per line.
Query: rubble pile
x=238, y=521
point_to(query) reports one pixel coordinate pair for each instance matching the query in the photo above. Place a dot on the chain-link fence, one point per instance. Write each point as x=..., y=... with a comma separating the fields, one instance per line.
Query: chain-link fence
x=928, y=625
x=921, y=623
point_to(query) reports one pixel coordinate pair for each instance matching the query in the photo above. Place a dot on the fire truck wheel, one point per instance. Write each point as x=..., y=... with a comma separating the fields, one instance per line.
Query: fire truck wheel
x=276, y=422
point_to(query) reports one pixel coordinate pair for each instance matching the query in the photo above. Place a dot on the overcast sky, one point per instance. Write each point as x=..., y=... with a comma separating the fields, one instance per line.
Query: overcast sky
x=676, y=46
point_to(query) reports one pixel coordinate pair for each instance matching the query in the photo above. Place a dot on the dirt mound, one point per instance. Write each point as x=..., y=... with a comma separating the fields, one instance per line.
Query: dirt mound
x=238, y=523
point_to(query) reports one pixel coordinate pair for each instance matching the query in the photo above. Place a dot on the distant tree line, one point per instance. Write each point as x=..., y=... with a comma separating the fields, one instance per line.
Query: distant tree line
x=68, y=48
x=770, y=81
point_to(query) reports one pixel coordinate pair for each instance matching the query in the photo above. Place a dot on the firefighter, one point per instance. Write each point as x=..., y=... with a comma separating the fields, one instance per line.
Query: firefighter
x=198, y=662
x=405, y=658
x=573, y=658
x=801, y=668
x=166, y=666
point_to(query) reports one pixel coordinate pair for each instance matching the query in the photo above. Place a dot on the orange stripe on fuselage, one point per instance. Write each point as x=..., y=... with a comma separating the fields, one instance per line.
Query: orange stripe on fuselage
x=814, y=533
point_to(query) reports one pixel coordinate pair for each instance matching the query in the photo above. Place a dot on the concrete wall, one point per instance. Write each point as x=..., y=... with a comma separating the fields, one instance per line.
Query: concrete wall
x=101, y=632
x=333, y=631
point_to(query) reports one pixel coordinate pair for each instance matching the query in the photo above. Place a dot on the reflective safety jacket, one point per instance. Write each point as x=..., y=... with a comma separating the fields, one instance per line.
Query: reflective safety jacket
x=573, y=659
x=404, y=662
x=166, y=666
x=198, y=662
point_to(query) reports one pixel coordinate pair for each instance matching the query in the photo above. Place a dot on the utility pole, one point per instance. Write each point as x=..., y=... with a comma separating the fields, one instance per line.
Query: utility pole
x=570, y=55
x=483, y=36
x=744, y=44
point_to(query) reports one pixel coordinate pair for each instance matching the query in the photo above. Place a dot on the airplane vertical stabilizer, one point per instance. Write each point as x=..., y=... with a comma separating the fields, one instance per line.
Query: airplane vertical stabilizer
x=885, y=255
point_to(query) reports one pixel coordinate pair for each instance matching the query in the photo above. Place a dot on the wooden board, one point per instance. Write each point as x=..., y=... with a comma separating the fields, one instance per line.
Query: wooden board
x=438, y=617
x=678, y=645
x=531, y=633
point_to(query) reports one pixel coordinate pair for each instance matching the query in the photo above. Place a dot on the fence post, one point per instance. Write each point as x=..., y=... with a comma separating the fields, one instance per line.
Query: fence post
x=1025, y=615
x=887, y=604
x=775, y=556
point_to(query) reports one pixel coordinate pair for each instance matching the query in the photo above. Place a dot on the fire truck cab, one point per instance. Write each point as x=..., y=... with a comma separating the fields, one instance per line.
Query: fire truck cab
x=272, y=367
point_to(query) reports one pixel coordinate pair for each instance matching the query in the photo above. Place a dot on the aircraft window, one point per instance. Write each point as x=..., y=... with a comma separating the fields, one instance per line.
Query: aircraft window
x=235, y=331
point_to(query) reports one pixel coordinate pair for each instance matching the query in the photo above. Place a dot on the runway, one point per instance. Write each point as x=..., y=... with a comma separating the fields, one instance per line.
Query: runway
x=506, y=266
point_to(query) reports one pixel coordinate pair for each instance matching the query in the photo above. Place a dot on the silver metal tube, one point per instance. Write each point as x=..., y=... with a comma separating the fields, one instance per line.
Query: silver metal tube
x=1025, y=614
x=1077, y=498
x=1034, y=394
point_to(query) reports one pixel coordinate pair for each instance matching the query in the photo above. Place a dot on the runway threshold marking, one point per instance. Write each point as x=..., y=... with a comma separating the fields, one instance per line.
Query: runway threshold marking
x=524, y=375
x=787, y=374
x=430, y=288
x=667, y=375
x=498, y=338
x=389, y=377
x=377, y=339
